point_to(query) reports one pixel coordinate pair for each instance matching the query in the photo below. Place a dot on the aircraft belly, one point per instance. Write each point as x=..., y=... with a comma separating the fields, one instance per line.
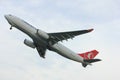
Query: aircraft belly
x=64, y=51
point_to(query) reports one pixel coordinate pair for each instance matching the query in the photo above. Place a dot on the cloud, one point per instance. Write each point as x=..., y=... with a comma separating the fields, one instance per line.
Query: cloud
x=21, y=62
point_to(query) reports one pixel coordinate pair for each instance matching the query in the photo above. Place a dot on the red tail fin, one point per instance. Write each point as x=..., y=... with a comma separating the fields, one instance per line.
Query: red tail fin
x=89, y=55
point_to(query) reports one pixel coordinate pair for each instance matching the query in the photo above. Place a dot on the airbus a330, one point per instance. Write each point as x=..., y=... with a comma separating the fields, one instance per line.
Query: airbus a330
x=42, y=41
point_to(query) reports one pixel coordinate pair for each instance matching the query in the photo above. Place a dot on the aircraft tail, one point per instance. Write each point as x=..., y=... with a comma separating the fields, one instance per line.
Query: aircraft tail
x=89, y=57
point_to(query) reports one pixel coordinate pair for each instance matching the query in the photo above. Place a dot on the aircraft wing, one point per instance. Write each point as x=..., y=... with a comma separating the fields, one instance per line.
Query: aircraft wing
x=41, y=51
x=60, y=36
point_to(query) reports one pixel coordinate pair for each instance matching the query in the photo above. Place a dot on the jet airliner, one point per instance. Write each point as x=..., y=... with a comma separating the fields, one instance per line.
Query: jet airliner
x=43, y=41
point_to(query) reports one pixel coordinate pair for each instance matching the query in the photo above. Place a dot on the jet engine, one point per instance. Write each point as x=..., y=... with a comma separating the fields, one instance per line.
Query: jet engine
x=29, y=43
x=42, y=34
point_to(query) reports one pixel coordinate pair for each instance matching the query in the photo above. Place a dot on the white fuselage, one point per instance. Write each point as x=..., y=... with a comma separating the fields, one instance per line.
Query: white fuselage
x=42, y=39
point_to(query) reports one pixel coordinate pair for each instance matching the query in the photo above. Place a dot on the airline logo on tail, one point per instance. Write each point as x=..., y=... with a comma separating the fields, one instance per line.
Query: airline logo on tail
x=89, y=55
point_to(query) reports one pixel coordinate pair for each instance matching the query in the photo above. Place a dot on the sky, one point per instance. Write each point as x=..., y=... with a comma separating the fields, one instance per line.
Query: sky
x=19, y=62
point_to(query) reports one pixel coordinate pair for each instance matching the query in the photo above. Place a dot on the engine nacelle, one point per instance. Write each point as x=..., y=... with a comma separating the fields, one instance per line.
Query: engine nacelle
x=42, y=34
x=29, y=43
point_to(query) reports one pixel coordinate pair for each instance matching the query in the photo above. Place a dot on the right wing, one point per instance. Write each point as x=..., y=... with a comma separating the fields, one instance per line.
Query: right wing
x=60, y=36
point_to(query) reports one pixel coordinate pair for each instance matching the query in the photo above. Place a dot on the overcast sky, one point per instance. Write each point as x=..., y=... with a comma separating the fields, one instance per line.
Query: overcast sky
x=19, y=62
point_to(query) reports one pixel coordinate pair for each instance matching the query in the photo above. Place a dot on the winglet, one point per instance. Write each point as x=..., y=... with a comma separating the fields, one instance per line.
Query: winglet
x=90, y=30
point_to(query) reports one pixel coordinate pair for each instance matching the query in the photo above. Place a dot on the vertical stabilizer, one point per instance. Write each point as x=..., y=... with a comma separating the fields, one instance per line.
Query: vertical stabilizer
x=89, y=55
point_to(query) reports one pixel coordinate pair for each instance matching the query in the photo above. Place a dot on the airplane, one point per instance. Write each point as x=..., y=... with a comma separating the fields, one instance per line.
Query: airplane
x=43, y=41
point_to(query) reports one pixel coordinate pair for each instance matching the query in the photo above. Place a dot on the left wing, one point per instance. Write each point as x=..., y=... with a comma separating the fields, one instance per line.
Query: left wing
x=41, y=51
x=55, y=37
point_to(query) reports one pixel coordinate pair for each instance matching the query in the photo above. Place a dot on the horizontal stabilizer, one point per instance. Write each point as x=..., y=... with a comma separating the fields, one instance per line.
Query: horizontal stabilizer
x=87, y=61
x=92, y=60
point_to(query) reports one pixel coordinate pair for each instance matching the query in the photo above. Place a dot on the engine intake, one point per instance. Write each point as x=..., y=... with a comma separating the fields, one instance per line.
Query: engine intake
x=29, y=43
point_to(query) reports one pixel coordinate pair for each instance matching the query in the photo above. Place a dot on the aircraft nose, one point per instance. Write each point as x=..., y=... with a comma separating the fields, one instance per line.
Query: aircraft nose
x=7, y=16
